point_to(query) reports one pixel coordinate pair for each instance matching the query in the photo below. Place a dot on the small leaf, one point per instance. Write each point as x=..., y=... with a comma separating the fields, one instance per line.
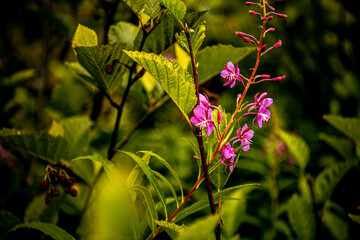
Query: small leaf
x=327, y=180
x=150, y=205
x=297, y=147
x=302, y=217
x=176, y=82
x=197, y=37
x=104, y=64
x=212, y=59
x=203, y=228
x=176, y=8
x=150, y=176
x=49, y=229
x=137, y=6
x=123, y=32
x=349, y=126
x=84, y=37
x=171, y=228
x=355, y=218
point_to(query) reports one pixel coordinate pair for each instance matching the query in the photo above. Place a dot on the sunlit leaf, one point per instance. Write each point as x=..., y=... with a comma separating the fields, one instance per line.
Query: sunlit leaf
x=203, y=228
x=150, y=176
x=176, y=82
x=84, y=37
x=150, y=205
x=171, y=228
x=123, y=32
x=176, y=7
x=49, y=229
x=197, y=37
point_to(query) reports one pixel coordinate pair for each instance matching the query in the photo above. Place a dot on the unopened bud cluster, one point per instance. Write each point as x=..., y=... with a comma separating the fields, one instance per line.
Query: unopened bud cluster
x=57, y=174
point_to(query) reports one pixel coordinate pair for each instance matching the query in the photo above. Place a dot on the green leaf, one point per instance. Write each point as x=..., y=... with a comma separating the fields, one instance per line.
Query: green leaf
x=176, y=8
x=150, y=176
x=171, y=228
x=302, y=217
x=298, y=148
x=219, y=174
x=152, y=8
x=110, y=169
x=7, y=220
x=150, y=205
x=355, y=218
x=84, y=37
x=164, y=179
x=349, y=126
x=49, y=229
x=18, y=77
x=137, y=6
x=344, y=146
x=197, y=37
x=327, y=180
x=80, y=73
x=123, y=32
x=168, y=166
x=39, y=144
x=176, y=82
x=203, y=228
x=212, y=60
x=97, y=59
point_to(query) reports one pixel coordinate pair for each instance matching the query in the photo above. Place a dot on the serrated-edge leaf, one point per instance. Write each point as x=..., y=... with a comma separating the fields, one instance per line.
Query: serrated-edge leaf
x=171, y=228
x=95, y=60
x=176, y=7
x=197, y=37
x=150, y=176
x=146, y=195
x=84, y=36
x=177, y=82
x=137, y=6
x=49, y=229
x=297, y=147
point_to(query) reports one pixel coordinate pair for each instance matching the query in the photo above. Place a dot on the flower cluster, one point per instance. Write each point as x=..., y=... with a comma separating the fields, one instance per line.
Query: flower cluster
x=260, y=107
x=56, y=174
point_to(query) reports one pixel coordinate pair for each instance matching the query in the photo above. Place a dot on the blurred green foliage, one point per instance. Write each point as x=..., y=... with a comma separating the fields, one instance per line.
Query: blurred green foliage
x=319, y=57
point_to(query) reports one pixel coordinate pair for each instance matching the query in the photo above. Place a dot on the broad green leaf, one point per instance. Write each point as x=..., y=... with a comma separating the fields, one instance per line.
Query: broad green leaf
x=137, y=6
x=84, y=37
x=171, y=228
x=344, y=146
x=150, y=176
x=98, y=59
x=80, y=73
x=152, y=8
x=219, y=174
x=176, y=8
x=212, y=59
x=150, y=205
x=298, y=148
x=39, y=144
x=176, y=82
x=349, y=126
x=203, y=228
x=302, y=218
x=197, y=37
x=110, y=169
x=49, y=229
x=336, y=225
x=168, y=166
x=327, y=180
x=123, y=32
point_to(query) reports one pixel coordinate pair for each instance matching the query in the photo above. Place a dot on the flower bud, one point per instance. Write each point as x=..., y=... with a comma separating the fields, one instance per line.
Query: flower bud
x=278, y=44
x=44, y=184
x=279, y=79
x=241, y=34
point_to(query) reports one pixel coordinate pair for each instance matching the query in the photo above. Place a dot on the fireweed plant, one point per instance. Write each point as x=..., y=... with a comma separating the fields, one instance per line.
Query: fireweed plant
x=220, y=136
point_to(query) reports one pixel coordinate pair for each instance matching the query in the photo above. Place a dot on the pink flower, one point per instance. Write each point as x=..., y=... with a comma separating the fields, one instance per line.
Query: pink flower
x=228, y=155
x=202, y=119
x=244, y=136
x=262, y=100
x=263, y=115
x=231, y=74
